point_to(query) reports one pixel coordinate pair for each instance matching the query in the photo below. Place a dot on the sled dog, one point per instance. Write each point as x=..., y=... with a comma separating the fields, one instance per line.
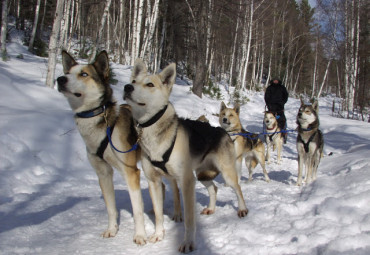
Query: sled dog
x=247, y=145
x=174, y=147
x=310, y=141
x=90, y=96
x=274, y=138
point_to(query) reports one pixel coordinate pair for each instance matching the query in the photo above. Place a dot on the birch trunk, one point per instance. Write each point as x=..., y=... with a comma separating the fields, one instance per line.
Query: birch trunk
x=314, y=79
x=248, y=49
x=34, y=28
x=324, y=79
x=232, y=61
x=54, y=44
x=4, y=25
x=121, y=31
x=272, y=42
x=138, y=13
x=41, y=30
x=100, y=31
x=151, y=29
x=65, y=23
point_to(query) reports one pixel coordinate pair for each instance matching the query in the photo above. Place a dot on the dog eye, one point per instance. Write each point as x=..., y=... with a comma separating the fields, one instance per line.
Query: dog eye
x=83, y=74
x=150, y=85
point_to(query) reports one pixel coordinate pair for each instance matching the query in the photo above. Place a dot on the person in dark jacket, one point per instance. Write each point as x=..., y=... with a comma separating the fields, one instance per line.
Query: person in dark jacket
x=276, y=96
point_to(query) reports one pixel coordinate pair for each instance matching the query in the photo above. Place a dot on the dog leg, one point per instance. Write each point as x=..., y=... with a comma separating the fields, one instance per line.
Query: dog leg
x=105, y=176
x=188, y=196
x=155, y=190
x=212, y=191
x=177, y=216
x=238, y=166
x=268, y=158
x=310, y=165
x=300, y=169
x=279, y=149
x=260, y=157
x=156, y=194
x=133, y=181
x=230, y=177
x=249, y=164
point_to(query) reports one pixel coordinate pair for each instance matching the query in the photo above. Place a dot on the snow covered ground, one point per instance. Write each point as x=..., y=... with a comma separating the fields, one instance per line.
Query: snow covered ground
x=51, y=203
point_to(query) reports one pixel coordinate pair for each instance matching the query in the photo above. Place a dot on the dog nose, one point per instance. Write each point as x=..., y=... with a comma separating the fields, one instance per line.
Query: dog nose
x=128, y=88
x=224, y=120
x=62, y=80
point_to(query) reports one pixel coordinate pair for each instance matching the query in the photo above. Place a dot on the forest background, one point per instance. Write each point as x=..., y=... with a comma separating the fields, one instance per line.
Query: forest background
x=240, y=43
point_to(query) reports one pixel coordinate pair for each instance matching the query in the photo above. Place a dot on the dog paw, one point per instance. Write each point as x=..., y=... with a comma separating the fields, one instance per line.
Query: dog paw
x=156, y=238
x=207, y=211
x=242, y=213
x=187, y=247
x=110, y=232
x=140, y=240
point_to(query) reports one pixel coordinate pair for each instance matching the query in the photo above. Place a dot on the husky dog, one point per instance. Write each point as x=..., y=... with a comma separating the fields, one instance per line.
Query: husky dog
x=90, y=96
x=310, y=141
x=174, y=147
x=274, y=138
x=247, y=145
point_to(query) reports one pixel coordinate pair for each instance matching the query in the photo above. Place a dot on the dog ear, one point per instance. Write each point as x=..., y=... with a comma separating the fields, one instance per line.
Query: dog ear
x=302, y=100
x=101, y=65
x=168, y=75
x=67, y=61
x=315, y=105
x=139, y=68
x=237, y=109
x=223, y=106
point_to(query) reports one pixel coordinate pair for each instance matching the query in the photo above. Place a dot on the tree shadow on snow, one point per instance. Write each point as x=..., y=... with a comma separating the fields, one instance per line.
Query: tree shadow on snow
x=13, y=219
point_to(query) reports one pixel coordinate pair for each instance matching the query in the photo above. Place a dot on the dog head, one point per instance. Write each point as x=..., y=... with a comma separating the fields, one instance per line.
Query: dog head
x=148, y=93
x=270, y=120
x=229, y=117
x=85, y=86
x=307, y=115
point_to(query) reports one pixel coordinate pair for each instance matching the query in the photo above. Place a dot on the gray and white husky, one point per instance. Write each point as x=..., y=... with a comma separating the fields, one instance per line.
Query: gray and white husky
x=174, y=147
x=310, y=141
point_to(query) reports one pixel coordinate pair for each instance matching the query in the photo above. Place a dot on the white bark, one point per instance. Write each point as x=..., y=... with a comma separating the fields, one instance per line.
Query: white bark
x=54, y=44
x=232, y=61
x=34, y=28
x=4, y=25
x=152, y=22
x=248, y=49
x=100, y=31
x=138, y=17
x=314, y=79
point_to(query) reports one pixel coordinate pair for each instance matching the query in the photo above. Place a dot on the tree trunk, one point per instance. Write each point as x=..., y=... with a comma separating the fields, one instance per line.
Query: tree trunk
x=4, y=29
x=100, y=31
x=54, y=44
x=34, y=28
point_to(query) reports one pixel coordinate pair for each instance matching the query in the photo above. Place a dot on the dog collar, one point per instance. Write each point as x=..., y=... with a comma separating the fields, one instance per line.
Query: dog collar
x=94, y=112
x=154, y=119
x=306, y=129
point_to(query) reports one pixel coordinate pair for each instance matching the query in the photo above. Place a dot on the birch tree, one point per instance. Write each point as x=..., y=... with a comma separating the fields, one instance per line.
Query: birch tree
x=54, y=44
x=4, y=30
x=152, y=19
x=34, y=28
x=101, y=29
x=136, y=31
